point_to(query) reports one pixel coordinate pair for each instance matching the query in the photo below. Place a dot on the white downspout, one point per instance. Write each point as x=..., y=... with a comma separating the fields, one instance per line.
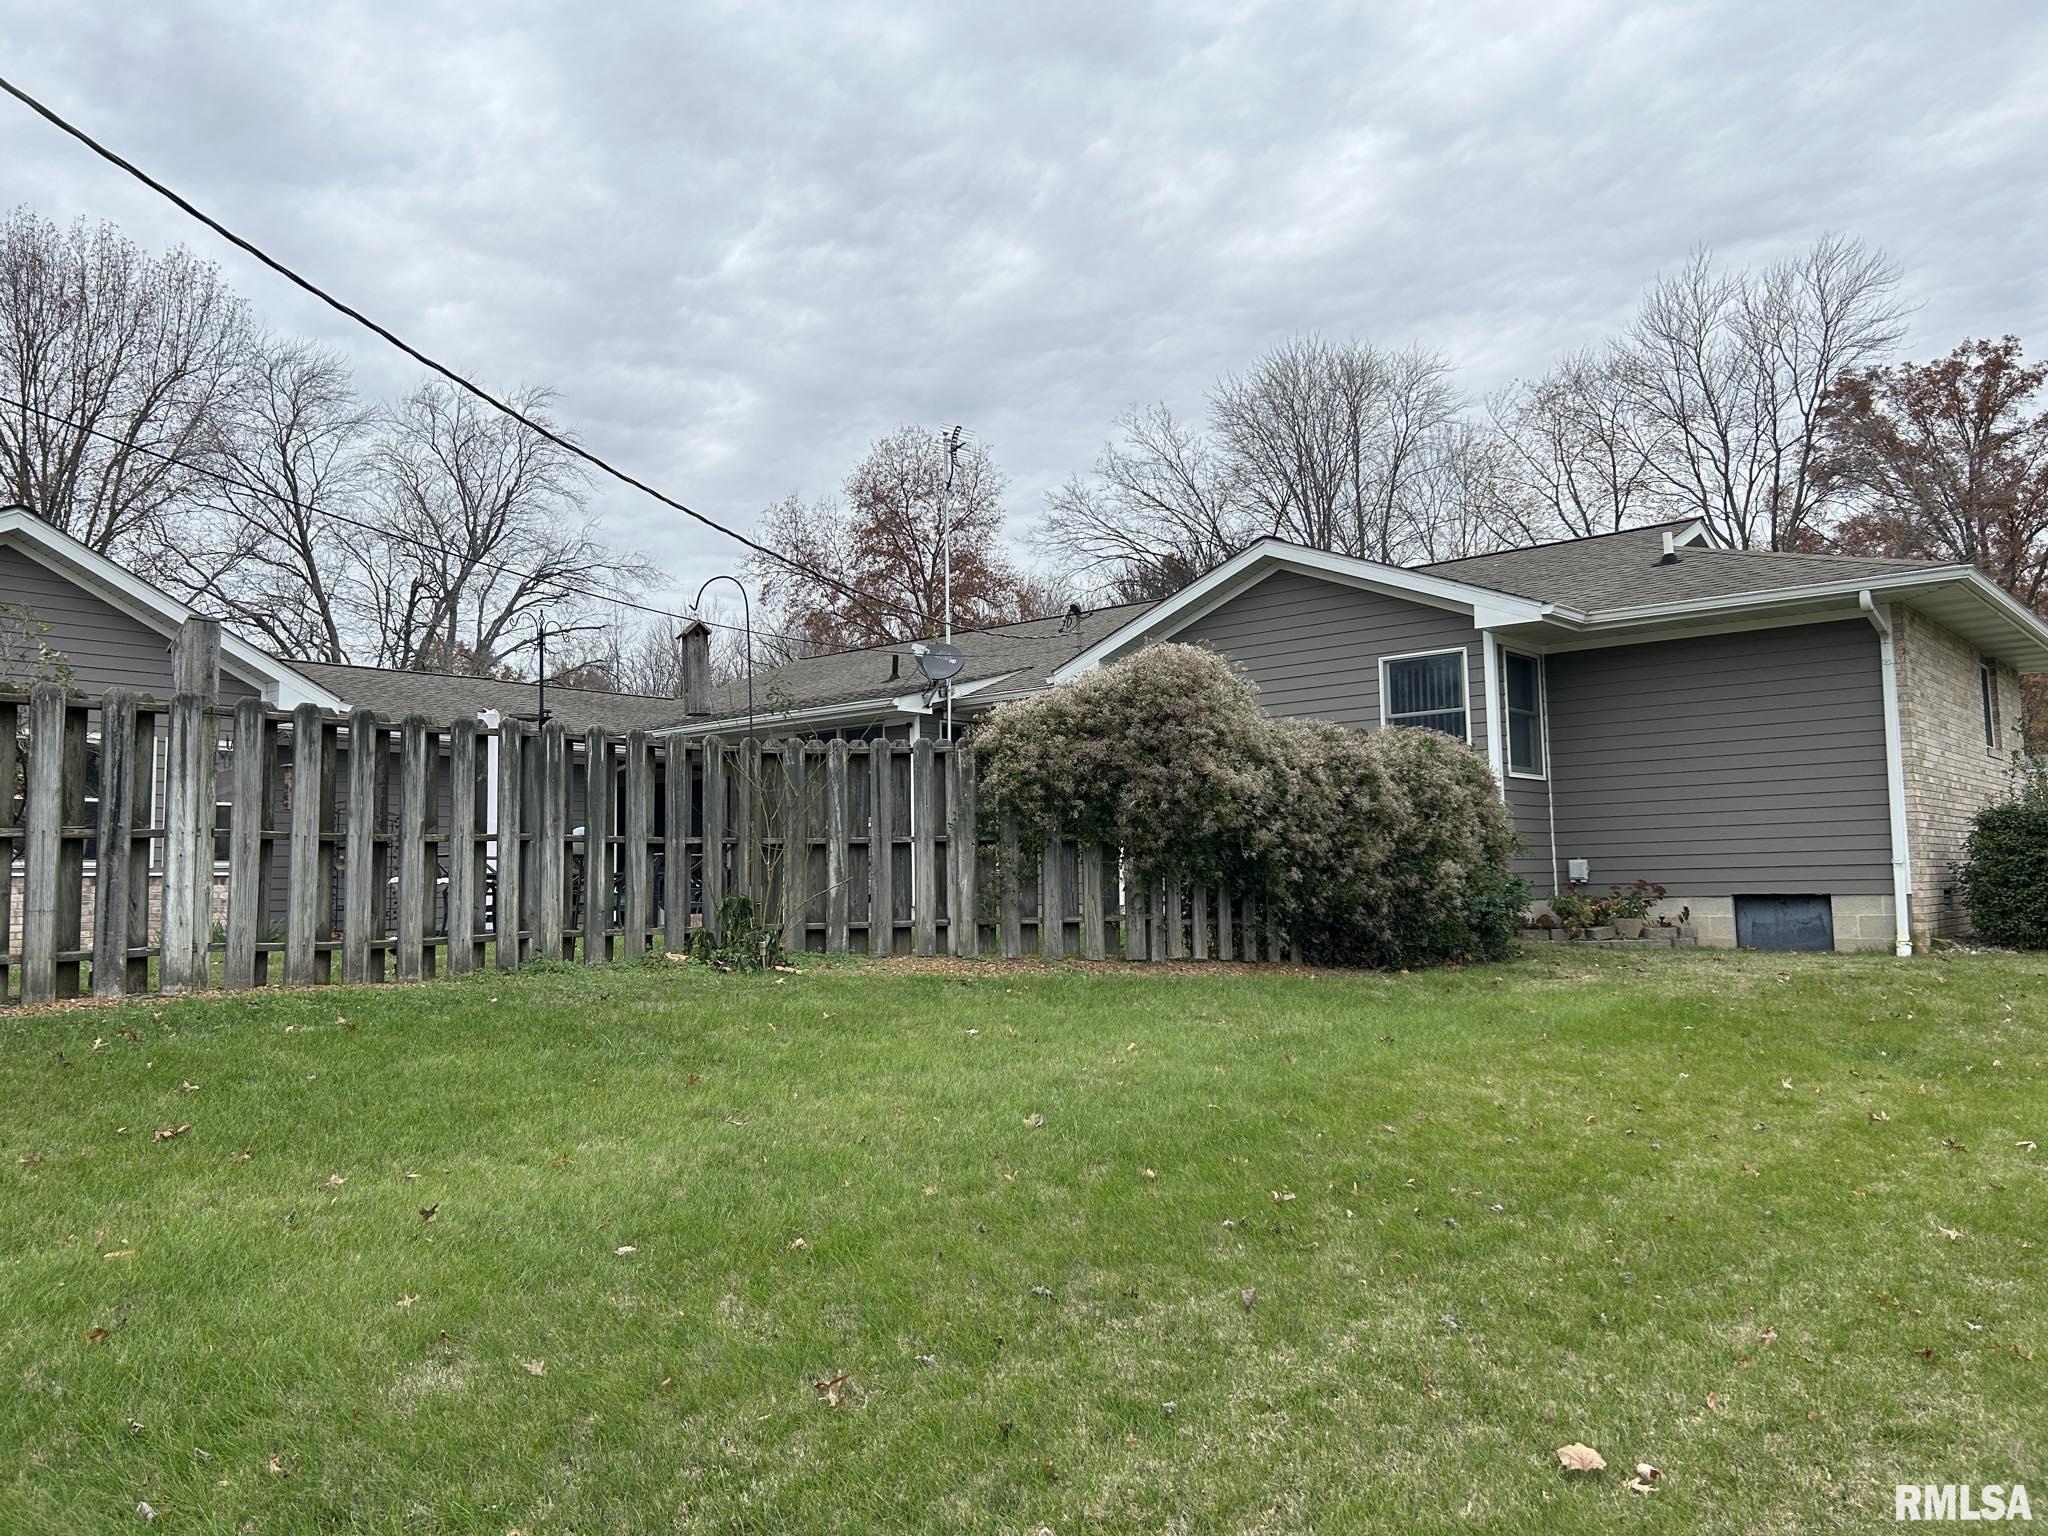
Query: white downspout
x=1894, y=773
x=1491, y=655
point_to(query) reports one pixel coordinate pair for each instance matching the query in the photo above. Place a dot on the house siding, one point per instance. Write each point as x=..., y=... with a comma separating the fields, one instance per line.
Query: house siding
x=1725, y=765
x=1950, y=772
x=105, y=647
x=1314, y=646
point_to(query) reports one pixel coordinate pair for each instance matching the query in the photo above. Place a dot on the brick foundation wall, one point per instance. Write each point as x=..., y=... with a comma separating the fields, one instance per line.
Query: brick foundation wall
x=1950, y=773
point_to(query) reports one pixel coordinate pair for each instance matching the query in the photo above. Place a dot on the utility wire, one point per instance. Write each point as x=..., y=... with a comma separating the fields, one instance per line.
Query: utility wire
x=568, y=445
x=558, y=585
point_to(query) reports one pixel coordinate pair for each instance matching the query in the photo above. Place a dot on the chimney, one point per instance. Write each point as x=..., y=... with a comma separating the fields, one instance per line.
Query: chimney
x=695, y=679
x=895, y=665
x=1670, y=548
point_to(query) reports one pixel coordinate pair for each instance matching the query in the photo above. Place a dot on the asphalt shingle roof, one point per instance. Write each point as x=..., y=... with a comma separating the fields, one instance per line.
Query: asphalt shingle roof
x=1031, y=649
x=1625, y=570
x=444, y=696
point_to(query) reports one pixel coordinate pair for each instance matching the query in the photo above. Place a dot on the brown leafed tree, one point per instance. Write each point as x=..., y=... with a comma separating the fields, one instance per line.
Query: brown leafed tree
x=113, y=363
x=881, y=551
x=1949, y=460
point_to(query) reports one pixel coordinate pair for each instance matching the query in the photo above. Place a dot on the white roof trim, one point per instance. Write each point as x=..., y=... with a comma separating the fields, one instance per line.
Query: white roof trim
x=1489, y=609
x=155, y=607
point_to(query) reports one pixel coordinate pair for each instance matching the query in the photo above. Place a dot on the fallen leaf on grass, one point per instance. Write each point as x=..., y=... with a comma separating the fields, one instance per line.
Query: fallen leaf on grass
x=1649, y=1473
x=1713, y=1399
x=277, y=1466
x=166, y=1132
x=1950, y=1233
x=406, y=1301
x=119, y=1253
x=29, y=1159
x=239, y=1157
x=1580, y=1458
x=429, y=1212
x=833, y=1391
x=798, y=1246
x=188, y=1087
x=535, y=1367
x=1282, y=1196
x=1879, y=1117
x=1249, y=1296
x=331, y=1183
x=622, y=1252
x=2024, y=1146
x=1042, y=1291
x=95, y=1335
x=148, y=1515
x=1034, y=1121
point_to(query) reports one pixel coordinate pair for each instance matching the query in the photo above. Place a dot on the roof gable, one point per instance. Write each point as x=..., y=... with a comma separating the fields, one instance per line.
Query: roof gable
x=150, y=605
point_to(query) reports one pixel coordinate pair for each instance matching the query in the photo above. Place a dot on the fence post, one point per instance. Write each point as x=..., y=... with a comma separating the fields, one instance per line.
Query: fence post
x=1010, y=900
x=678, y=792
x=308, y=901
x=713, y=881
x=459, y=847
x=1052, y=937
x=924, y=851
x=1176, y=928
x=188, y=844
x=241, y=965
x=796, y=846
x=748, y=852
x=53, y=864
x=114, y=881
x=508, y=902
x=1137, y=918
x=597, y=822
x=838, y=849
x=635, y=855
x=964, y=927
x=545, y=792
x=1198, y=922
x=882, y=849
x=10, y=830
x=1094, y=938
x=362, y=919
x=415, y=873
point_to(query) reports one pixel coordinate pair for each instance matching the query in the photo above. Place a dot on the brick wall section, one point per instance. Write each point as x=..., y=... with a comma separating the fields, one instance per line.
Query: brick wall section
x=1950, y=772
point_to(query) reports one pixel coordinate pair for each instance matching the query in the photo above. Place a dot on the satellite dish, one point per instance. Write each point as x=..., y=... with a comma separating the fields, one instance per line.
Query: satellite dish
x=939, y=661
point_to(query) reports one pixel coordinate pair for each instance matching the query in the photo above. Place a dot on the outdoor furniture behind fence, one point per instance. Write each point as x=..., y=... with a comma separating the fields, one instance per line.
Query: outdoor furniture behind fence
x=160, y=846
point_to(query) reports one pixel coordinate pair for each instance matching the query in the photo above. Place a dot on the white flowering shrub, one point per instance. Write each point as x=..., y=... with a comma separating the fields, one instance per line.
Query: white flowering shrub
x=1385, y=849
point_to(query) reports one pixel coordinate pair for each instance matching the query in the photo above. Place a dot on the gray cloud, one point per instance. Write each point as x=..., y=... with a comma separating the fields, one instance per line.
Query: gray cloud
x=741, y=241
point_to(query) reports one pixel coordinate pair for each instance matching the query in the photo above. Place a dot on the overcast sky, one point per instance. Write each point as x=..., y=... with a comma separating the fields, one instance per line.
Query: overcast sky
x=742, y=241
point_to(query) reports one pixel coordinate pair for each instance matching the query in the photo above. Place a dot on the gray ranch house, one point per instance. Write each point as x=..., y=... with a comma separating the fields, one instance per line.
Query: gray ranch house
x=1792, y=745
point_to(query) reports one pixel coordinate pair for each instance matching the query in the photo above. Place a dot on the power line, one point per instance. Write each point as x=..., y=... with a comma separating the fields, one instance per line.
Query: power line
x=560, y=586
x=566, y=444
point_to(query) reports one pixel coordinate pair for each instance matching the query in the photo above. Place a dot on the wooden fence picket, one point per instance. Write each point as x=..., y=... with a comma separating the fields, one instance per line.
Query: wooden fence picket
x=924, y=852
x=362, y=917
x=544, y=794
x=120, y=928
x=882, y=850
x=460, y=849
x=242, y=963
x=838, y=849
x=309, y=908
x=713, y=897
x=635, y=853
x=11, y=842
x=415, y=862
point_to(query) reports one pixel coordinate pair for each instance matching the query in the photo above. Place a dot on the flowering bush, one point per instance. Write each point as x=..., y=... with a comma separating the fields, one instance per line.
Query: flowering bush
x=1385, y=849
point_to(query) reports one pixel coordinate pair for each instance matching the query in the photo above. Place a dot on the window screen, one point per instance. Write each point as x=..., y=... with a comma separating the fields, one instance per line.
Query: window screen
x=1525, y=714
x=1428, y=691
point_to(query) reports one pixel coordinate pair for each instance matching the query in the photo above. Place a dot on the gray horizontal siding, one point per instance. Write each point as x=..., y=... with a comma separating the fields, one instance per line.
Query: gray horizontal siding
x=106, y=647
x=1529, y=810
x=1725, y=765
x=1314, y=646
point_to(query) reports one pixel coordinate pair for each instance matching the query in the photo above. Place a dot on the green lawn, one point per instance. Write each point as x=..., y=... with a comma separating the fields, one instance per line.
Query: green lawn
x=1287, y=1251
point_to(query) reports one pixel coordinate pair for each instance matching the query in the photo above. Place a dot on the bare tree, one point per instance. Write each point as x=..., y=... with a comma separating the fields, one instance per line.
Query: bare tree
x=277, y=556
x=1327, y=439
x=1450, y=509
x=115, y=364
x=481, y=530
x=881, y=554
x=1160, y=508
x=1728, y=377
x=1570, y=459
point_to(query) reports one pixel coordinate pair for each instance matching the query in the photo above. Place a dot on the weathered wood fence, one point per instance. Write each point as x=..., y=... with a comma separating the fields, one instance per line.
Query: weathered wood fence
x=157, y=846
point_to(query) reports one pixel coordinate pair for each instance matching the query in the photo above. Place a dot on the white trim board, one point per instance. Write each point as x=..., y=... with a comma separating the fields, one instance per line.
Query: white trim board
x=1253, y=564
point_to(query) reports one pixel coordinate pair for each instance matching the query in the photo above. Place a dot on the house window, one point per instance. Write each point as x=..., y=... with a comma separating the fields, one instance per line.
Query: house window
x=1987, y=684
x=1426, y=691
x=1524, y=714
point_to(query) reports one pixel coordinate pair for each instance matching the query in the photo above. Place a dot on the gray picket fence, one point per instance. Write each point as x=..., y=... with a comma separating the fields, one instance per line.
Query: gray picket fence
x=171, y=846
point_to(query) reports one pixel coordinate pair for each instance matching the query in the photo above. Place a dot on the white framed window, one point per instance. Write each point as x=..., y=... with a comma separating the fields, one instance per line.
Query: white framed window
x=1987, y=686
x=1427, y=689
x=1522, y=692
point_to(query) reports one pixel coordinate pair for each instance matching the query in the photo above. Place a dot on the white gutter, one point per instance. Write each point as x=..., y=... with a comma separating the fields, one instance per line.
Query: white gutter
x=1894, y=773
